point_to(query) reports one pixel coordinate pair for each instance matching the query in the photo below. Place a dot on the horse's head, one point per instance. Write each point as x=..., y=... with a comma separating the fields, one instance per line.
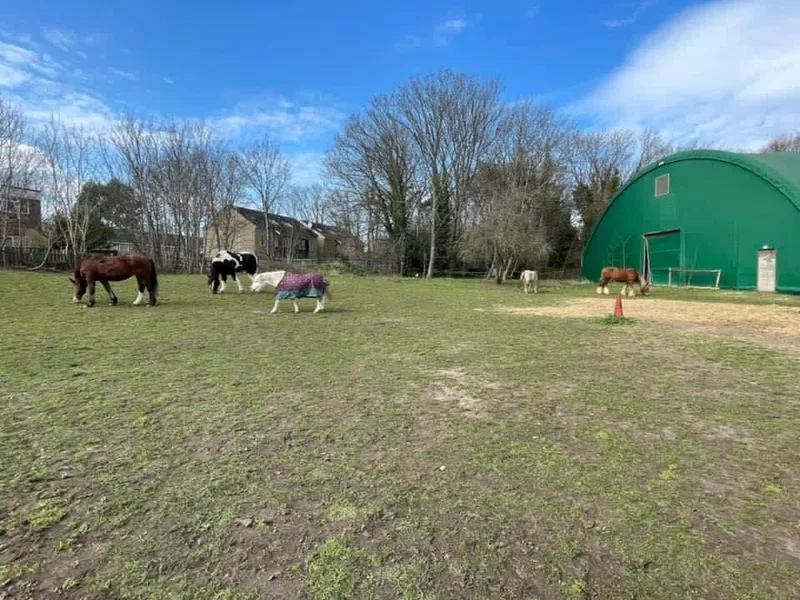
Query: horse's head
x=78, y=285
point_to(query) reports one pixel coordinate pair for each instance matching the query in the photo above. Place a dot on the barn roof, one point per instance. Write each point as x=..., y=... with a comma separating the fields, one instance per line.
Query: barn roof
x=781, y=169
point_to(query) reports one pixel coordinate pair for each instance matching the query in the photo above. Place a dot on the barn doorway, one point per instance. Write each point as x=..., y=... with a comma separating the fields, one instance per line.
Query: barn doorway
x=767, y=270
x=661, y=256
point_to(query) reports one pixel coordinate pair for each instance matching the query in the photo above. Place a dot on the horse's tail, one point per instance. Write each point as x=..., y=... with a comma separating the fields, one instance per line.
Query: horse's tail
x=153, y=280
x=326, y=288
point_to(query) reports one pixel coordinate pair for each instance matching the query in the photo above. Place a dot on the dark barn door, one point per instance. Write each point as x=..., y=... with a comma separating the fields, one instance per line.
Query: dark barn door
x=662, y=251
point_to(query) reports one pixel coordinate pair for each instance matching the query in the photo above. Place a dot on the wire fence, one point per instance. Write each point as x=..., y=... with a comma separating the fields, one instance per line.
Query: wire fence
x=59, y=260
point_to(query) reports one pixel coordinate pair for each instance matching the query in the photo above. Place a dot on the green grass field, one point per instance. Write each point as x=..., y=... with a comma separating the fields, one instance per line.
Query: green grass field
x=411, y=442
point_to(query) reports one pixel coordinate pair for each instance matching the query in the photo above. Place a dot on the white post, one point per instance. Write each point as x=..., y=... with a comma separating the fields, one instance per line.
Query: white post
x=669, y=278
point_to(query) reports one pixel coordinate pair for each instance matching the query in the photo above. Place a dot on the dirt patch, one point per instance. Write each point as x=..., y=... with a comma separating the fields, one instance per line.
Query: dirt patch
x=472, y=395
x=740, y=320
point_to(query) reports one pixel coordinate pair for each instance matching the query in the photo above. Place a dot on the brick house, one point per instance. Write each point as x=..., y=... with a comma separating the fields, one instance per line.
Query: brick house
x=20, y=217
x=240, y=228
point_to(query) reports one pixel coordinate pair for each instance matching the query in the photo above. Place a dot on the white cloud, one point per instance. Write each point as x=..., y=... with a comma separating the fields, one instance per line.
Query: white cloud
x=11, y=77
x=284, y=120
x=63, y=40
x=441, y=35
x=77, y=109
x=640, y=8
x=728, y=71
x=168, y=80
x=67, y=41
x=306, y=167
x=41, y=87
x=25, y=59
x=448, y=30
x=124, y=74
x=453, y=26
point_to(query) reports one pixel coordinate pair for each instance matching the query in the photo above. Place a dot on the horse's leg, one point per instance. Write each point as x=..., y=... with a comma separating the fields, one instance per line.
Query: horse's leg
x=605, y=288
x=140, y=287
x=275, y=308
x=600, y=285
x=238, y=282
x=152, y=295
x=222, y=284
x=296, y=308
x=92, y=285
x=111, y=293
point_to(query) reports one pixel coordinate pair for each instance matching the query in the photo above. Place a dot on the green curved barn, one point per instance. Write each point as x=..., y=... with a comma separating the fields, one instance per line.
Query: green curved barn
x=698, y=217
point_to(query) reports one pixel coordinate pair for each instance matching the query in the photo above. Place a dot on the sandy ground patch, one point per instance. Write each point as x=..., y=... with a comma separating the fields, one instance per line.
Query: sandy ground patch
x=708, y=317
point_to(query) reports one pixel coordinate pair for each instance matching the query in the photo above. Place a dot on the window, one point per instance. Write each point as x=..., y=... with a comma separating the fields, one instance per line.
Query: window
x=15, y=206
x=662, y=185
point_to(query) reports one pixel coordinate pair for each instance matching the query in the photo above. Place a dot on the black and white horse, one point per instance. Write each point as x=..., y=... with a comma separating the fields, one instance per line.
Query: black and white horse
x=227, y=264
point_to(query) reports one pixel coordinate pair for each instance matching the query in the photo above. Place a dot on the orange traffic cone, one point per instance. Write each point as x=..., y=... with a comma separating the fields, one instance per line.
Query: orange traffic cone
x=618, y=306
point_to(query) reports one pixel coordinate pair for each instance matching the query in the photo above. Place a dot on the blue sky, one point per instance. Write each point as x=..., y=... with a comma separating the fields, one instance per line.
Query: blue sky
x=726, y=70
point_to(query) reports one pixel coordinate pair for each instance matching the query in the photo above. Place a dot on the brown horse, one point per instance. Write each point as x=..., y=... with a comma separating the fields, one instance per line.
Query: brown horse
x=101, y=268
x=626, y=276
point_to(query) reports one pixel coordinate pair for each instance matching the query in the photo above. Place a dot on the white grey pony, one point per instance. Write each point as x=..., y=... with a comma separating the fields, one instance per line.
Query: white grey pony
x=530, y=279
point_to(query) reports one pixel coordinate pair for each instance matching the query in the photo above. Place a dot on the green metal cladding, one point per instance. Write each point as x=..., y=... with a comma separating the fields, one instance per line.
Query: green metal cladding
x=719, y=210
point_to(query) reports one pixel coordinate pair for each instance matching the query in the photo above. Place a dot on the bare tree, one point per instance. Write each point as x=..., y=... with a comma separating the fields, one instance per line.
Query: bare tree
x=267, y=175
x=181, y=176
x=424, y=104
x=473, y=126
x=69, y=161
x=452, y=120
x=18, y=167
x=597, y=163
x=229, y=194
x=309, y=203
x=784, y=143
x=133, y=156
x=375, y=160
x=512, y=197
x=651, y=147
x=346, y=211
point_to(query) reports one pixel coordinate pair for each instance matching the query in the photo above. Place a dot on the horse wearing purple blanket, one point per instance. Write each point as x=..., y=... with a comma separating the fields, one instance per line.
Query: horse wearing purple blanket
x=291, y=286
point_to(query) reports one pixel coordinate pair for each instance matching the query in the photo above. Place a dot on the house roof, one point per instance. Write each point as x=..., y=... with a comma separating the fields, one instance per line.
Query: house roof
x=28, y=193
x=256, y=217
x=329, y=231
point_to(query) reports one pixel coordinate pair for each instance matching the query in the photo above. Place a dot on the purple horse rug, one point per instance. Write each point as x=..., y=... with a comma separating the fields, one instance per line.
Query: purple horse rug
x=301, y=285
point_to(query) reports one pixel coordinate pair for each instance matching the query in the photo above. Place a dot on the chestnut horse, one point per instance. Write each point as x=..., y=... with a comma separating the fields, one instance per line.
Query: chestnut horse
x=101, y=268
x=626, y=276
